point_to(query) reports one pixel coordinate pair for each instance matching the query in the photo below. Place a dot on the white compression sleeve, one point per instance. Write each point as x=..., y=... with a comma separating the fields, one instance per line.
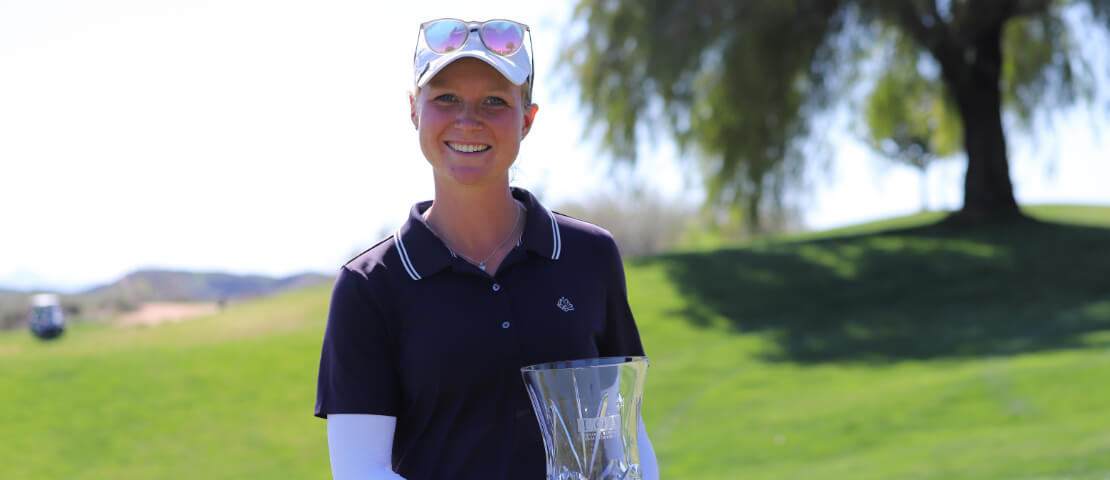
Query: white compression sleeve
x=649, y=466
x=361, y=446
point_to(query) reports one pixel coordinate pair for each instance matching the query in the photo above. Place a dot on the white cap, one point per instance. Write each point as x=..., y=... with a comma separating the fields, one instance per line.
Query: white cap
x=516, y=67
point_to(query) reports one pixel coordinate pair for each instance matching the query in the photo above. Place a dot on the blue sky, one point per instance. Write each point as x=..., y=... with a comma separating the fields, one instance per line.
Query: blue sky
x=273, y=137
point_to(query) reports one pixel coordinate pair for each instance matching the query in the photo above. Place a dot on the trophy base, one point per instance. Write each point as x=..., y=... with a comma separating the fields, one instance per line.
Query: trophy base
x=632, y=473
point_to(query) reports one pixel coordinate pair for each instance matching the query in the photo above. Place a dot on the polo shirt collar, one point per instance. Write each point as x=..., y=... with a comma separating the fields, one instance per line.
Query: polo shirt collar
x=541, y=231
x=423, y=253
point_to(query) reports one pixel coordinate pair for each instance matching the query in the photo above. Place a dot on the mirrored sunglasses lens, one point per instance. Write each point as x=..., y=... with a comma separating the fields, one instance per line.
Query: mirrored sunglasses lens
x=445, y=35
x=502, y=38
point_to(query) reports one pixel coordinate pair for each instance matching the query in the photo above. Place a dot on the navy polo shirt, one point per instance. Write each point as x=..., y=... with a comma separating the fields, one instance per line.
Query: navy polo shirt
x=418, y=333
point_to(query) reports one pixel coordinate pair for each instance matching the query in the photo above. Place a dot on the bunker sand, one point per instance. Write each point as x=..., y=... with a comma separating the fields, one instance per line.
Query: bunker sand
x=155, y=313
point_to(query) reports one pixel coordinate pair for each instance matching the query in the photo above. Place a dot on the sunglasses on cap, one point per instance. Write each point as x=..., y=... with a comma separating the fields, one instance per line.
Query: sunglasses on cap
x=499, y=37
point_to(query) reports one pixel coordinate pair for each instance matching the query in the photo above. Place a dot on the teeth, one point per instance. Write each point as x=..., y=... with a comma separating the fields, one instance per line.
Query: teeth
x=467, y=148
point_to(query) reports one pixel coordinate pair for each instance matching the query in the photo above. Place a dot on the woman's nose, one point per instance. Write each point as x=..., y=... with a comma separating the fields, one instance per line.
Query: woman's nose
x=468, y=119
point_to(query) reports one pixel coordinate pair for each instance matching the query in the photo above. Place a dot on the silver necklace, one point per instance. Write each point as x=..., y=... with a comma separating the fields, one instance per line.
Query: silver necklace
x=482, y=264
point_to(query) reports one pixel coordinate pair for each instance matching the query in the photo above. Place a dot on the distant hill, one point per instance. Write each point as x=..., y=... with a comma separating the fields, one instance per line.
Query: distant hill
x=137, y=288
x=167, y=285
x=13, y=308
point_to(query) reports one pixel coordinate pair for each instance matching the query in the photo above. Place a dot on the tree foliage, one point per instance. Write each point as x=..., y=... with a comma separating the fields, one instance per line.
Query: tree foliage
x=742, y=86
x=907, y=114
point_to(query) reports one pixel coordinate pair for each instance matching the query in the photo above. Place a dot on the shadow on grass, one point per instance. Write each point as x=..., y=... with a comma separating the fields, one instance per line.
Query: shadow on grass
x=925, y=292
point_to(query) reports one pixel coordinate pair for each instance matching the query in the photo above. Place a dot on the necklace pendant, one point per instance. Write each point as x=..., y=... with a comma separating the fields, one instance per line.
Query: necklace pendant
x=482, y=266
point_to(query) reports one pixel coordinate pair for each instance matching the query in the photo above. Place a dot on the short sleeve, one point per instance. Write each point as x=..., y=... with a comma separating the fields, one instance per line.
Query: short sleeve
x=621, y=335
x=357, y=368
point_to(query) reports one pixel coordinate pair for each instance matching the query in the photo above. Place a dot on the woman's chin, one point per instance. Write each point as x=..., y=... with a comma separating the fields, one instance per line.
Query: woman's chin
x=472, y=177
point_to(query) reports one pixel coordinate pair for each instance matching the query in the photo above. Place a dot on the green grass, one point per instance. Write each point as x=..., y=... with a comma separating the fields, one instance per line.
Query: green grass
x=898, y=350
x=229, y=396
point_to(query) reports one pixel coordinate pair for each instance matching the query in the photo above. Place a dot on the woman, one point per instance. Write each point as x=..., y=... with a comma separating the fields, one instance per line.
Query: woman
x=427, y=331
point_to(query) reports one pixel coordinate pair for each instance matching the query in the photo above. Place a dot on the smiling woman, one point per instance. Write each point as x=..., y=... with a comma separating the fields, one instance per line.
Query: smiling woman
x=427, y=332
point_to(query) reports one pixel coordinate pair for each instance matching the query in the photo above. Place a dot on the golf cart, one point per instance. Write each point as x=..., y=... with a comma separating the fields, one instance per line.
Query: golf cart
x=47, y=321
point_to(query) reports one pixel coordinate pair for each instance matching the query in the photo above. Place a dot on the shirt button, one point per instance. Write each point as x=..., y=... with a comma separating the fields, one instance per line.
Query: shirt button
x=505, y=325
x=497, y=287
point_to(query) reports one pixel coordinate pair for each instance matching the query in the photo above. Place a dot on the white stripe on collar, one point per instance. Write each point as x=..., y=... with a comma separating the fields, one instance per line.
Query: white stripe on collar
x=556, y=238
x=405, y=260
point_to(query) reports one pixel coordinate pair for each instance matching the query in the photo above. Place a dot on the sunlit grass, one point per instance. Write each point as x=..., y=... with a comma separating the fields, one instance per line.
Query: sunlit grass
x=1075, y=214
x=716, y=411
x=227, y=396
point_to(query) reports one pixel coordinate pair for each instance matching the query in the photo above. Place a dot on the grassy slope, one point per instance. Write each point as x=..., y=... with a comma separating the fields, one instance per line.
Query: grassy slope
x=228, y=396
x=908, y=354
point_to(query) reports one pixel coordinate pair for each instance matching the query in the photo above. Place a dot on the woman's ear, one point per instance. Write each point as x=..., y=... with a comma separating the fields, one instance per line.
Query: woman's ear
x=529, y=116
x=412, y=110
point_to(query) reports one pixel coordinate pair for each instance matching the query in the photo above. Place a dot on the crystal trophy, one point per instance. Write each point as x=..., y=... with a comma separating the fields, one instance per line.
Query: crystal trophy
x=589, y=414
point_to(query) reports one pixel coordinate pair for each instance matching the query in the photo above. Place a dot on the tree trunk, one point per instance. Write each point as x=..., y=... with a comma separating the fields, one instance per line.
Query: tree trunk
x=973, y=73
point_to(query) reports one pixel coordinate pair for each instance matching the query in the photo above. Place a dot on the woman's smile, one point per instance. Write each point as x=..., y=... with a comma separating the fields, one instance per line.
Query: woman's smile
x=467, y=147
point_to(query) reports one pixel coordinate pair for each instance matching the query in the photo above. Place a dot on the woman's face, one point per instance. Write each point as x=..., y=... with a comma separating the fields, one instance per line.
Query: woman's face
x=470, y=120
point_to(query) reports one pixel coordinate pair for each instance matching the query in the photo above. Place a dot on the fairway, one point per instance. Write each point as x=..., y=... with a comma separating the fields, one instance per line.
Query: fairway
x=898, y=350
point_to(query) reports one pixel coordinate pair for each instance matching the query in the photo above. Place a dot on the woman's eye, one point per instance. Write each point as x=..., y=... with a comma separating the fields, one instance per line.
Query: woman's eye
x=496, y=101
x=447, y=97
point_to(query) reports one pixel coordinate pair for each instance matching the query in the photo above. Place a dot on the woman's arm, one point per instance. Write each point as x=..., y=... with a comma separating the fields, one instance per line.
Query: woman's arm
x=361, y=446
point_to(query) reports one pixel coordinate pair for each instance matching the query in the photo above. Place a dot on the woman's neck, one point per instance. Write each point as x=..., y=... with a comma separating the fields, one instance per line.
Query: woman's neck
x=475, y=222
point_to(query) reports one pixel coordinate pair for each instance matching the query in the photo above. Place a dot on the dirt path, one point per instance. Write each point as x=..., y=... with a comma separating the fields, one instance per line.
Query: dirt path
x=154, y=313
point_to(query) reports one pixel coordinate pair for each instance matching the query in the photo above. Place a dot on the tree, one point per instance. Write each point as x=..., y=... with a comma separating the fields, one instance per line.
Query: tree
x=742, y=84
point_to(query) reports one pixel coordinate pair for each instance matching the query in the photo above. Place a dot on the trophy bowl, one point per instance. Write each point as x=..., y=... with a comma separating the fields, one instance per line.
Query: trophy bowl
x=589, y=414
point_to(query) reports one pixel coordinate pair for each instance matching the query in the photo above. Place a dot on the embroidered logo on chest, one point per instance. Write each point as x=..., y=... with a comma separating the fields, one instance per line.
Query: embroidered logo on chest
x=564, y=304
